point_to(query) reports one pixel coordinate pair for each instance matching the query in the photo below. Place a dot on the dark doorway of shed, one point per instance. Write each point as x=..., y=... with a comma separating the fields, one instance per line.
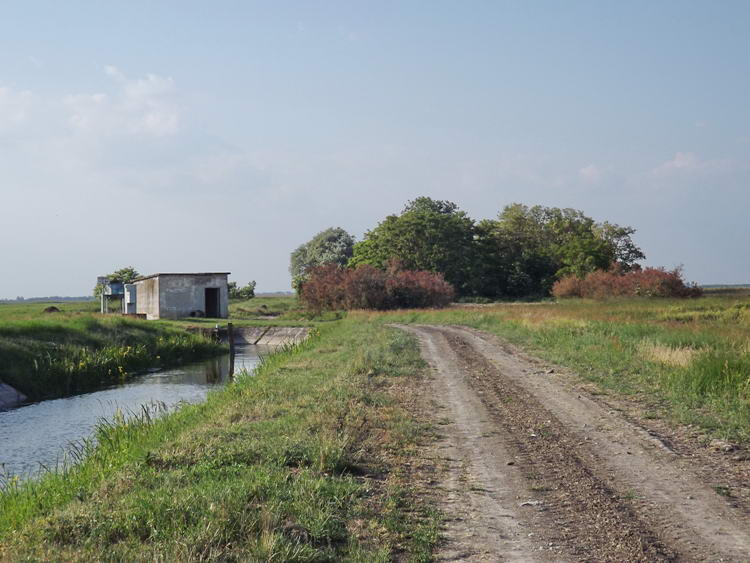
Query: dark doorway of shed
x=212, y=302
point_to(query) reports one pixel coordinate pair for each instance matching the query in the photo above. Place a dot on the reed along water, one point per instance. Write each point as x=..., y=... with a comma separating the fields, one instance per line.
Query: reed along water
x=38, y=435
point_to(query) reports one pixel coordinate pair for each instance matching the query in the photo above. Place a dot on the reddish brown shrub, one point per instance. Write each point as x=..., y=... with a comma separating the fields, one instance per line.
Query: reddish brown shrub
x=418, y=289
x=658, y=282
x=568, y=286
x=366, y=287
x=647, y=282
x=324, y=289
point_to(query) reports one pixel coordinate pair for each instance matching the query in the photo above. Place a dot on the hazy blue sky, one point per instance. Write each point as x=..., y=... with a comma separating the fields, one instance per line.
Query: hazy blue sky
x=199, y=136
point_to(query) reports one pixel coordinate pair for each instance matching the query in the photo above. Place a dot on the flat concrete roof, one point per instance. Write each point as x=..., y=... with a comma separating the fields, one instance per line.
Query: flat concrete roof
x=182, y=274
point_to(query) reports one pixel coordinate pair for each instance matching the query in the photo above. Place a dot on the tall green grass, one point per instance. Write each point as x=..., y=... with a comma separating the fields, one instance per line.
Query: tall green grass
x=52, y=355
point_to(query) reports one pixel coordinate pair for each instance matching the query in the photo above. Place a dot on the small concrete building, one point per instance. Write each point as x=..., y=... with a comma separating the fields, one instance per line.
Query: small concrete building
x=175, y=296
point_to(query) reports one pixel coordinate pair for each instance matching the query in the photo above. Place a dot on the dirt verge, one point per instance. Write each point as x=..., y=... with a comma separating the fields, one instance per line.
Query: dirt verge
x=538, y=469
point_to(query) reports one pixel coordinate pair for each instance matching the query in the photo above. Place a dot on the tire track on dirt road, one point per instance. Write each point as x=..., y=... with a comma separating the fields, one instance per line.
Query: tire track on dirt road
x=539, y=471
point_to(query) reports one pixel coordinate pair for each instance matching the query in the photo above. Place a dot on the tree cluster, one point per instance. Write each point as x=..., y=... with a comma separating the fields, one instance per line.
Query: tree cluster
x=244, y=293
x=520, y=253
x=332, y=246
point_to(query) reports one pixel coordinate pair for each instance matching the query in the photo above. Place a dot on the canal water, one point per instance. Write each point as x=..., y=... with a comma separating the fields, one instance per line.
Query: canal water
x=39, y=434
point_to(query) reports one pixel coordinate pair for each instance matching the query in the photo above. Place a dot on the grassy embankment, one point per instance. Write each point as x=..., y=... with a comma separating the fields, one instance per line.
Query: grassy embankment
x=688, y=360
x=305, y=461
x=47, y=355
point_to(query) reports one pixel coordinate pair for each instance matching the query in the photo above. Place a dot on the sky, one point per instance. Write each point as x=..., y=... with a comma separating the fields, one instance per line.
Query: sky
x=218, y=136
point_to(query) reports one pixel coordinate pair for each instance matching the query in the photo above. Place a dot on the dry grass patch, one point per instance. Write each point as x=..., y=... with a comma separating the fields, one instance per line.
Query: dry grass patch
x=680, y=356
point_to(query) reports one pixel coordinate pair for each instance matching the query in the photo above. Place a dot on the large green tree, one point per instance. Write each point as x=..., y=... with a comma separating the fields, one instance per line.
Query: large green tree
x=429, y=234
x=331, y=245
x=245, y=292
x=526, y=249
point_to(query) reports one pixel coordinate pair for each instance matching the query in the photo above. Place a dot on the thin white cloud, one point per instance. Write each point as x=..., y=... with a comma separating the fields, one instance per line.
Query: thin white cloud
x=127, y=136
x=143, y=106
x=14, y=107
x=681, y=161
x=35, y=61
x=689, y=163
x=114, y=72
x=591, y=173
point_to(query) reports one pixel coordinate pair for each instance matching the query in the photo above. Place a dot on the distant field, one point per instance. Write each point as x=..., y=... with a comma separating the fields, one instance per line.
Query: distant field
x=259, y=306
x=17, y=311
x=729, y=290
x=264, y=306
x=279, y=310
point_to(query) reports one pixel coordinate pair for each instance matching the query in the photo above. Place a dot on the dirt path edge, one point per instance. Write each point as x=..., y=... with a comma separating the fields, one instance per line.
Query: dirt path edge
x=526, y=448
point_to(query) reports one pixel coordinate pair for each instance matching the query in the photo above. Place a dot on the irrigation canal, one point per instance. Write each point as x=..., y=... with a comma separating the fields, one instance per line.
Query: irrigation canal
x=38, y=435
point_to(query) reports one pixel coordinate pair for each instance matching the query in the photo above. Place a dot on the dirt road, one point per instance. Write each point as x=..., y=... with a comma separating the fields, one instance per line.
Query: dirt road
x=537, y=469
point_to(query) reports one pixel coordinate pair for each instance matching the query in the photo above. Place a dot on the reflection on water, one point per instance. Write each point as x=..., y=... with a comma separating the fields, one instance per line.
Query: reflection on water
x=38, y=434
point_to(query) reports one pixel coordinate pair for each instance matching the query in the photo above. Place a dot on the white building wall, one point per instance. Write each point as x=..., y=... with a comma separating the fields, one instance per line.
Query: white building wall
x=147, y=298
x=181, y=295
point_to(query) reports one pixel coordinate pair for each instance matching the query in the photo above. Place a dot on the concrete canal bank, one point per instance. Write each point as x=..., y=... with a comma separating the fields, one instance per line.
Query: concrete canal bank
x=10, y=397
x=270, y=336
x=258, y=335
